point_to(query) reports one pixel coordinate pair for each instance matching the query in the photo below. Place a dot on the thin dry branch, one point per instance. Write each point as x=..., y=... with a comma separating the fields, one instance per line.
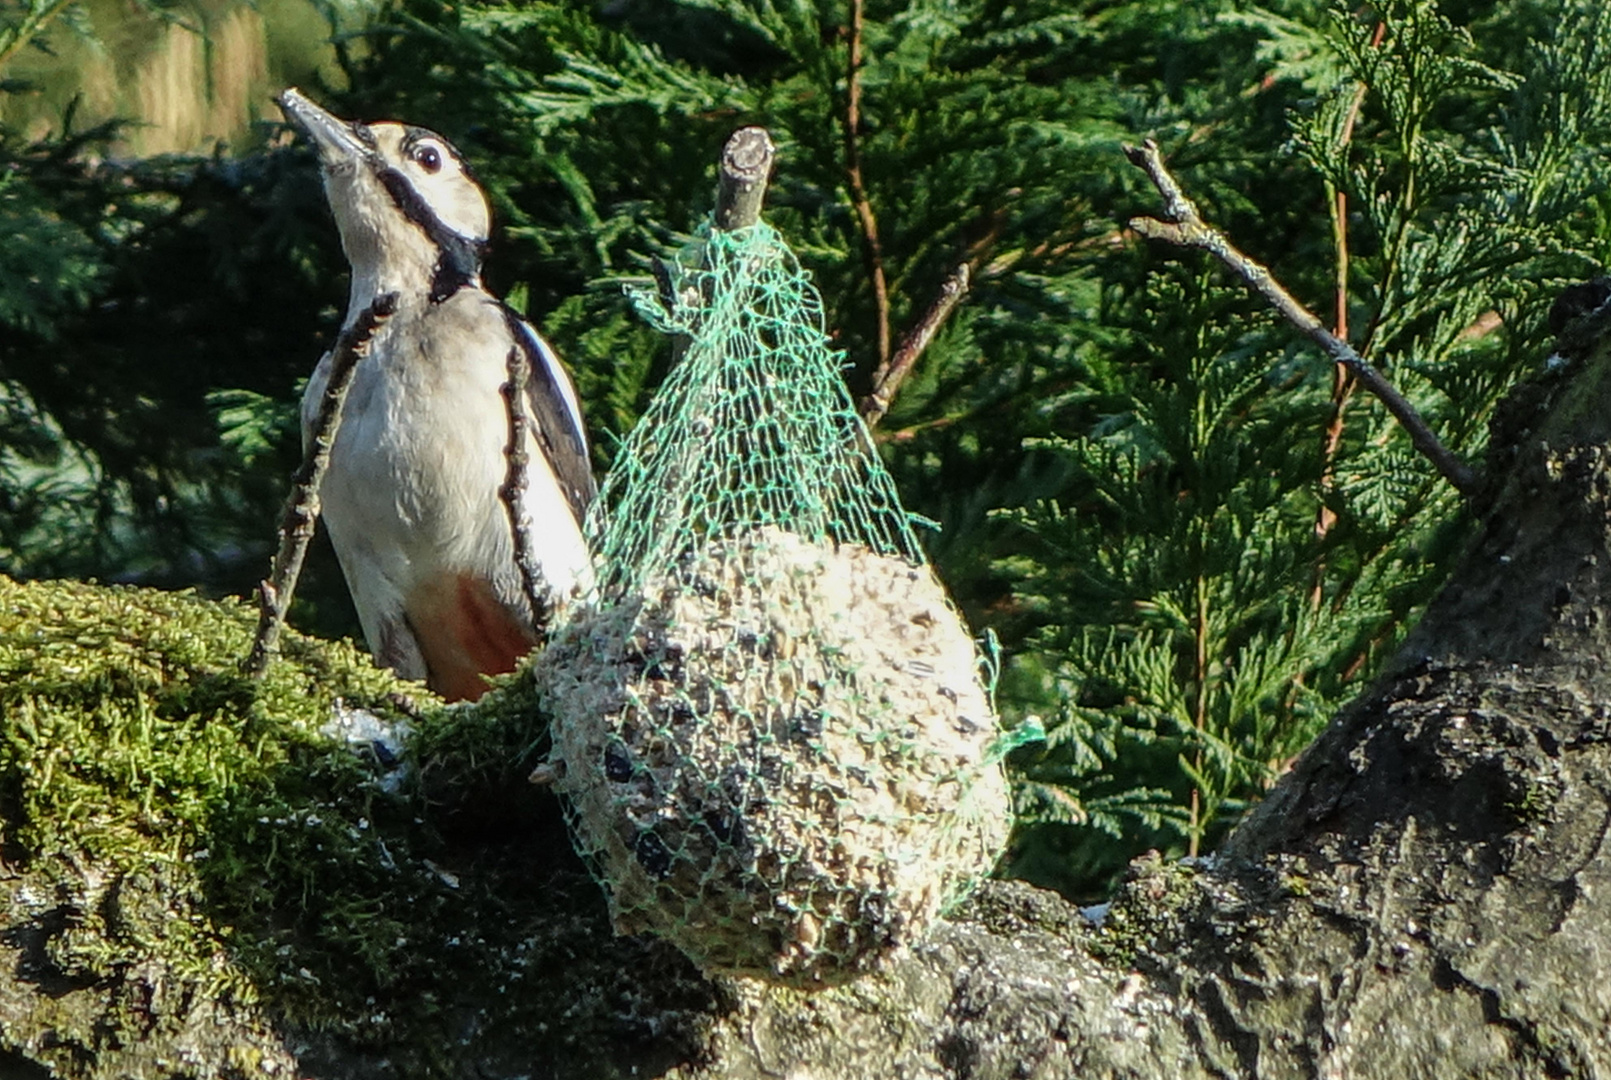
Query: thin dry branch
x=1185, y=228
x=892, y=372
x=872, y=249
x=532, y=581
x=302, y=505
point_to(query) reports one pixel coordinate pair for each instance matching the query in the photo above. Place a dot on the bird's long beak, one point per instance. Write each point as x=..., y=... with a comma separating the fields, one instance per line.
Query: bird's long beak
x=337, y=141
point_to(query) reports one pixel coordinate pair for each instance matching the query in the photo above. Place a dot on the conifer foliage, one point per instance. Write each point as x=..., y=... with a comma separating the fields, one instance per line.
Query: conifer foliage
x=1241, y=539
x=131, y=291
x=1192, y=536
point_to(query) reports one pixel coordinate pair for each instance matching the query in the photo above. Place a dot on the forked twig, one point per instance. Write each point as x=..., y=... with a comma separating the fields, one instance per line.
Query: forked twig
x=532, y=581
x=1186, y=228
x=302, y=505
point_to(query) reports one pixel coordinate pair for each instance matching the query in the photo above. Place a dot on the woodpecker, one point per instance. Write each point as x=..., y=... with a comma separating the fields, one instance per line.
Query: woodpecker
x=411, y=498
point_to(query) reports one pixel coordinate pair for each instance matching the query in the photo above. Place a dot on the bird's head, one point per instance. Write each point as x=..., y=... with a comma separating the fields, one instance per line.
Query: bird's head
x=411, y=216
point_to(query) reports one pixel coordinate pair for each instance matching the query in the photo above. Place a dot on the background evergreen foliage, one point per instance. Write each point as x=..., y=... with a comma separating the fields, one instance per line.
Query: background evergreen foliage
x=1194, y=542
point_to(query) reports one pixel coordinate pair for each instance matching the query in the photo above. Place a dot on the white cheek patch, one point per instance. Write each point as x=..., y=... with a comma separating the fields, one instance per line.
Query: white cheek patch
x=458, y=203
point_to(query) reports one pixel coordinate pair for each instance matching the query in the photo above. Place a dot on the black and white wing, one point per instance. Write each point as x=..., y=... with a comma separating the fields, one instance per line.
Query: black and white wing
x=556, y=418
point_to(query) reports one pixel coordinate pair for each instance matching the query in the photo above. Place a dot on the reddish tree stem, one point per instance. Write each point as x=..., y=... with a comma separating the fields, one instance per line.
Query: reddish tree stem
x=872, y=249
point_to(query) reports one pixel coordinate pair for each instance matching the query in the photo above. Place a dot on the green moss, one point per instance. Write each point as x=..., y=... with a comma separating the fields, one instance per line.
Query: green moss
x=1578, y=412
x=167, y=799
x=497, y=742
x=182, y=834
x=1149, y=909
x=1533, y=800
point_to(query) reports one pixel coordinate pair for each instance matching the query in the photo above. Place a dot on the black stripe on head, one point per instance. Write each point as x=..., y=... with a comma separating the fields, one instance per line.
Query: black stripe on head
x=458, y=257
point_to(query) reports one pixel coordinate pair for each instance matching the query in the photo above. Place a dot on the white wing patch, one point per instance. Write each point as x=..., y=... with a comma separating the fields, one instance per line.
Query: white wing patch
x=558, y=377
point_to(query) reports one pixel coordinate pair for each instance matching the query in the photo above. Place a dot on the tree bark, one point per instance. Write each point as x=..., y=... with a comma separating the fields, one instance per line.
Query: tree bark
x=1426, y=894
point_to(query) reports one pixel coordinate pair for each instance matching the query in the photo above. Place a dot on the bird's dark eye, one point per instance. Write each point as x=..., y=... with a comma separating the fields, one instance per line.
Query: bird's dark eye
x=428, y=158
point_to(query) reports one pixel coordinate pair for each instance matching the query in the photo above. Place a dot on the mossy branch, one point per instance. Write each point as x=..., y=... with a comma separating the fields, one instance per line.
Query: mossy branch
x=302, y=505
x=1186, y=228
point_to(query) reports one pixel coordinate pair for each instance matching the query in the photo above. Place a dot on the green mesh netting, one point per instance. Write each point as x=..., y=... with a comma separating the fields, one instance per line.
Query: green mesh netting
x=777, y=750
x=753, y=428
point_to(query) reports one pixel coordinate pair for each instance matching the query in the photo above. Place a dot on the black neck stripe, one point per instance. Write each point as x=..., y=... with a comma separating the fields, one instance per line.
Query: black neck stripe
x=458, y=258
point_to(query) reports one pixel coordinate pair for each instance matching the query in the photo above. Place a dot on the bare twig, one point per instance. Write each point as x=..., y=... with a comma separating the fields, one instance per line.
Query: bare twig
x=1200, y=634
x=1186, y=228
x=872, y=249
x=1339, y=206
x=890, y=374
x=513, y=494
x=302, y=505
x=741, y=184
x=532, y=581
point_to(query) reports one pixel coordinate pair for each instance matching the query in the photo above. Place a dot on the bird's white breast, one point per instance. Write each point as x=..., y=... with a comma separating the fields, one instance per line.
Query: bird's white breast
x=412, y=490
